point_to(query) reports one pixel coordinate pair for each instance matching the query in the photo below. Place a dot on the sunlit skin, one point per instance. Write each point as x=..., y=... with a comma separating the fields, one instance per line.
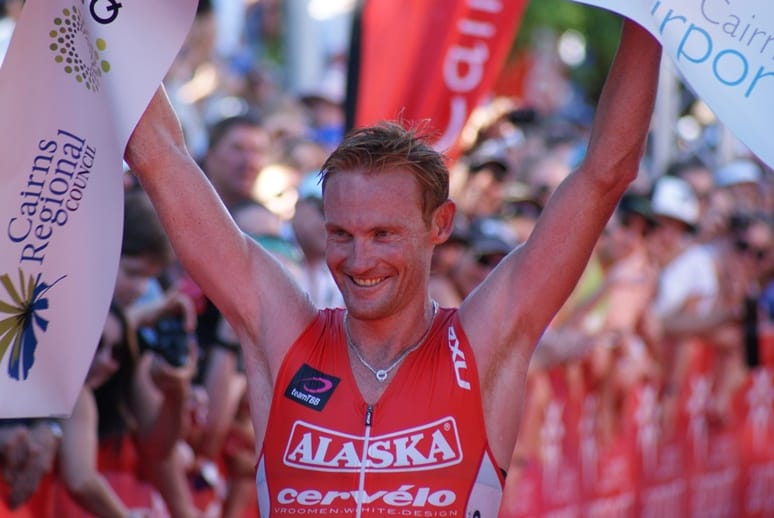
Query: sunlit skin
x=379, y=247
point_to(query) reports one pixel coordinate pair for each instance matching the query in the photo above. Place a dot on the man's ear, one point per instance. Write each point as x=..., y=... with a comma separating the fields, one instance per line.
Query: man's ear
x=443, y=222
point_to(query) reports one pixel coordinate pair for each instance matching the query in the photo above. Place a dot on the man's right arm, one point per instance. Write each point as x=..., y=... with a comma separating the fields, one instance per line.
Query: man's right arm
x=247, y=284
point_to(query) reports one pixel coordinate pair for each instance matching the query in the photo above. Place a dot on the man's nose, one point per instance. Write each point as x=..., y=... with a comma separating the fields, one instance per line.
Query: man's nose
x=361, y=257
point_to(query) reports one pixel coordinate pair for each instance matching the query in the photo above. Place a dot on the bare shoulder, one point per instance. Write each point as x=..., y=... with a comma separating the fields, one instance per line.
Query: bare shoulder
x=268, y=310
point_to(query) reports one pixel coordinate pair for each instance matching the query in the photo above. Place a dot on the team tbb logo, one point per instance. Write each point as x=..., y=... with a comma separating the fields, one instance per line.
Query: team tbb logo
x=311, y=387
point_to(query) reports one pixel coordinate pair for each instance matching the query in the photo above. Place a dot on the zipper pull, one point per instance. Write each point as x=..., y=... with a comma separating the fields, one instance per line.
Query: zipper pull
x=369, y=415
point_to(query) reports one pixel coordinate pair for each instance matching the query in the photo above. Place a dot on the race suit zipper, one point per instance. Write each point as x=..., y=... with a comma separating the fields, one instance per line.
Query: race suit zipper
x=364, y=458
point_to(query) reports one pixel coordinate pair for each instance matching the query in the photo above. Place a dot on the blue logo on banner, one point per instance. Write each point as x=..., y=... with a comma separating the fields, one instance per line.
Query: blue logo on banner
x=17, y=332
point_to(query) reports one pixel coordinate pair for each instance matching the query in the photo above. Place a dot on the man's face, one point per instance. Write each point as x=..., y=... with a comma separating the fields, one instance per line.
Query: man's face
x=104, y=363
x=235, y=161
x=756, y=245
x=134, y=273
x=615, y=242
x=378, y=245
x=666, y=239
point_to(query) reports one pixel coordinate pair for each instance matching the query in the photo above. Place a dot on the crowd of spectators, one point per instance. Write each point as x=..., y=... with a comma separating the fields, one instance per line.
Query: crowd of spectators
x=667, y=342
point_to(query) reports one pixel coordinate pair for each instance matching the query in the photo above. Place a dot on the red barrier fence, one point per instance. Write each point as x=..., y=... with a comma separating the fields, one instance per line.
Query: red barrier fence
x=647, y=454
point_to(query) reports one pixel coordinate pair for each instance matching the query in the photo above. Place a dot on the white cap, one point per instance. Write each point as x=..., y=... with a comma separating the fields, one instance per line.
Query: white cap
x=330, y=88
x=674, y=198
x=738, y=171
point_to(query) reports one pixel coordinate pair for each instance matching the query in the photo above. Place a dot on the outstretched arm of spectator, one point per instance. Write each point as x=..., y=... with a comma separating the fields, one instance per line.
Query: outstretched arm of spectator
x=687, y=325
x=78, y=461
x=159, y=401
x=507, y=314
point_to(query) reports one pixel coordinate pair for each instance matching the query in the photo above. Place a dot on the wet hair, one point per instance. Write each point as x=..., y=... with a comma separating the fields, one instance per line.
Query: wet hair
x=389, y=146
x=143, y=234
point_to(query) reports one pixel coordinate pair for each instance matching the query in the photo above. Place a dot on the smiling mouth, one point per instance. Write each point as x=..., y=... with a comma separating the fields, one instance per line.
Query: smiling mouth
x=367, y=283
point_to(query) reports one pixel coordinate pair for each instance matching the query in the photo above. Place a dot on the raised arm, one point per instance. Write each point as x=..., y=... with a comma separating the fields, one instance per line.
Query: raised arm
x=505, y=317
x=252, y=290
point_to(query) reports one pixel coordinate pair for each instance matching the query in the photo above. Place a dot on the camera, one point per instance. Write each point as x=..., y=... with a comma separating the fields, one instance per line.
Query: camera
x=168, y=339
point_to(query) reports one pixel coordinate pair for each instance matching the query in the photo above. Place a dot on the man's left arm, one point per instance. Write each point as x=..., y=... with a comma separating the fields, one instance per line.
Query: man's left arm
x=505, y=317
x=523, y=293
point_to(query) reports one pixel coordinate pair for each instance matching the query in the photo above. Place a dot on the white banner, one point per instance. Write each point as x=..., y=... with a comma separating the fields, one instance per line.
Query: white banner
x=724, y=49
x=76, y=79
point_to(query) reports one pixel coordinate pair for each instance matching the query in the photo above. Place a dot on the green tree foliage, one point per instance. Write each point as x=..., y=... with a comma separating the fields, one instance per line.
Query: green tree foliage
x=601, y=29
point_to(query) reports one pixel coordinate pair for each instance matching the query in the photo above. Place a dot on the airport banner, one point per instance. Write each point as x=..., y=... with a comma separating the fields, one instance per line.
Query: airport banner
x=724, y=50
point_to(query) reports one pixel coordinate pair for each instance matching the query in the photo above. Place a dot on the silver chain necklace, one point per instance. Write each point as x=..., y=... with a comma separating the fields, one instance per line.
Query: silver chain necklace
x=381, y=374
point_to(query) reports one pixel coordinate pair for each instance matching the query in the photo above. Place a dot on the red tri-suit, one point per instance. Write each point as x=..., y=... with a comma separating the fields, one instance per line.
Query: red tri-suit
x=421, y=450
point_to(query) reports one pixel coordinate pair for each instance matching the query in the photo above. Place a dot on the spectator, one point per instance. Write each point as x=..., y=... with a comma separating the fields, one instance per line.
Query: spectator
x=686, y=302
x=447, y=257
x=753, y=239
x=521, y=209
x=308, y=226
x=325, y=107
x=130, y=414
x=544, y=174
x=28, y=449
x=490, y=241
x=742, y=179
x=238, y=150
x=699, y=176
x=481, y=194
x=87, y=428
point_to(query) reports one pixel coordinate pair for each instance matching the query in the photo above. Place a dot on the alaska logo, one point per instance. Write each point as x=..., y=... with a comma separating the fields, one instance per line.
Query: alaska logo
x=430, y=446
x=17, y=331
x=73, y=48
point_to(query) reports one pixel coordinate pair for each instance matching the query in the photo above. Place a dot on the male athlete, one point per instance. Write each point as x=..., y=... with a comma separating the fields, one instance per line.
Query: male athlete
x=393, y=405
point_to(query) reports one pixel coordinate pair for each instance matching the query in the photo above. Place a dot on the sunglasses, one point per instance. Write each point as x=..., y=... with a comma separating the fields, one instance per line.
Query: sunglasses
x=746, y=247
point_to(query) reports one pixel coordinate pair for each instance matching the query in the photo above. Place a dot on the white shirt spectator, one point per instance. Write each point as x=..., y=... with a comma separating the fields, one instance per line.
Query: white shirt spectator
x=690, y=276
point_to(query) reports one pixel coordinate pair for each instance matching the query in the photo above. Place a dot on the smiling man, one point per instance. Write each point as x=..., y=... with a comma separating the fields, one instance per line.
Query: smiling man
x=393, y=404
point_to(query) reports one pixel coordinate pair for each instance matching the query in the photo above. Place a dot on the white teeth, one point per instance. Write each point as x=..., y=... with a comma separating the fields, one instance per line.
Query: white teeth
x=367, y=282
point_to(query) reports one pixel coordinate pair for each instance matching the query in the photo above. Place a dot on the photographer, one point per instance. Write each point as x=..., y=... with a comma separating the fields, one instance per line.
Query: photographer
x=122, y=438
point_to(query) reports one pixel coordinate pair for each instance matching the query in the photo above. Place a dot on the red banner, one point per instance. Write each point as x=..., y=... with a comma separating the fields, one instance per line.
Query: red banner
x=431, y=59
